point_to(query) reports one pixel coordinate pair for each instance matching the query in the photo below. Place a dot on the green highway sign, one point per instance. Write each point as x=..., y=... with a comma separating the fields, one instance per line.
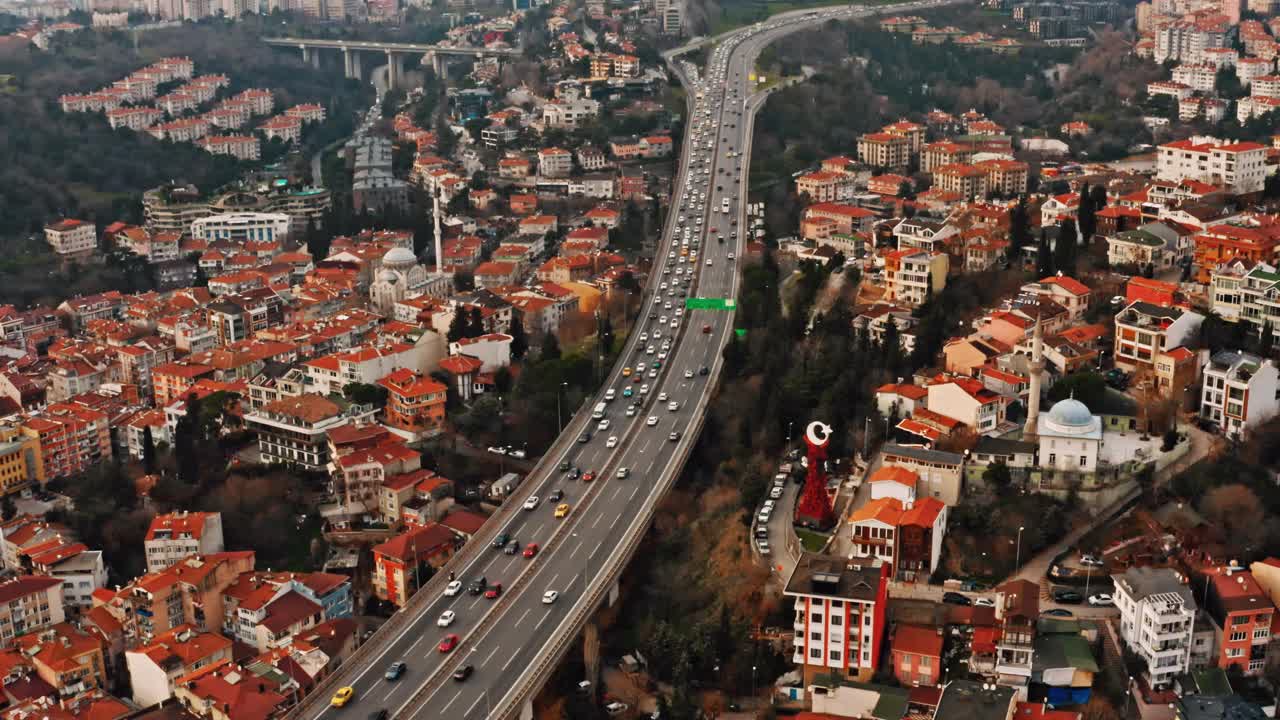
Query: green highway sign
x=696, y=303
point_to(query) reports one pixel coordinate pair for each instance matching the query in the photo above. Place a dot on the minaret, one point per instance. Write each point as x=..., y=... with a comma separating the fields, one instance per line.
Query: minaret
x=435, y=217
x=1029, y=430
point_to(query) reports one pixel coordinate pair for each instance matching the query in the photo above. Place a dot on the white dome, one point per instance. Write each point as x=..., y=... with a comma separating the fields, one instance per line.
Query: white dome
x=388, y=276
x=1071, y=413
x=400, y=256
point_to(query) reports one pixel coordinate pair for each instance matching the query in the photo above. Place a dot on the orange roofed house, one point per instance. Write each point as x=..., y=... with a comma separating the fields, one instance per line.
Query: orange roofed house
x=415, y=404
x=917, y=655
x=173, y=536
x=155, y=668
x=398, y=563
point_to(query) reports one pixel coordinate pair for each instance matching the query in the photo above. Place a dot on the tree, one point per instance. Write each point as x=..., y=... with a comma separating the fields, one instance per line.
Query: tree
x=1237, y=510
x=365, y=394
x=1019, y=228
x=998, y=477
x=148, y=451
x=1064, y=252
x=604, y=334
x=475, y=328
x=8, y=508
x=457, y=326
x=519, y=341
x=550, y=347
x=1087, y=214
x=1089, y=388
x=1266, y=340
x=317, y=241
x=1044, y=257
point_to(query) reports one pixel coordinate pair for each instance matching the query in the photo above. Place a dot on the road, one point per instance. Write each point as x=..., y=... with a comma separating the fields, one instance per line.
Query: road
x=514, y=641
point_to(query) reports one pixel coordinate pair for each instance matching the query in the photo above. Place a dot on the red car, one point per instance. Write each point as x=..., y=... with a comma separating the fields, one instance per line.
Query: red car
x=494, y=592
x=449, y=642
x=530, y=550
x=637, y=377
x=588, y=476
x=706, y=329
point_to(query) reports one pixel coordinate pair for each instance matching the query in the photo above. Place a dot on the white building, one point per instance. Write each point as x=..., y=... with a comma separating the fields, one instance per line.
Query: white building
x=838, y=626
x=1242, y=167
x=1239, y=392
x=1144, y=330
x=1187, y=40
x=492, y=349
x=72, y=239
x=1199, y=76
x=176, y=535
x=242, y=226
x=569, y=113
x=1070, y=437
x=1157, y=615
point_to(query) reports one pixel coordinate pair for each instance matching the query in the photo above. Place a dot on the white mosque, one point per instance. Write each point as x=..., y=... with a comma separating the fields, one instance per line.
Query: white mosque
x=399, y=276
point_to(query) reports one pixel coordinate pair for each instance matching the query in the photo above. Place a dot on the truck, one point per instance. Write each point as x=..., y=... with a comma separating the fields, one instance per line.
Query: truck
x=598, y=412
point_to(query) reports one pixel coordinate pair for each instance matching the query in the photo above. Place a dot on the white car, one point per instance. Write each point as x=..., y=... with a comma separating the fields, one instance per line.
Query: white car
x=708, y=262
x=446, y=618
x=453, y=588
x=673, y=406
x=649, y=350
x=497, y=450
x=604, y=425
x=623, y=472
x=984, y=602
x=644, y=389
x=653, y=374
x=653, y=420
x=631, y=411
x=611, y=442
x=531, y=503
x=688, y=374
x=662, y=397
x=1101, y=600
x=549, y=597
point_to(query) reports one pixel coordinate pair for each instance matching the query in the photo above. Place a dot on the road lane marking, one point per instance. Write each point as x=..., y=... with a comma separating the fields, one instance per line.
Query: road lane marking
x=522, y=617
x=599, y=517
x=489, y=657
x=550, y=583
x=635, y=490
x=544, y=617
x=446, y=705
x=473, y=706
x=575, y=550
x=509, y=661
x=598, y=546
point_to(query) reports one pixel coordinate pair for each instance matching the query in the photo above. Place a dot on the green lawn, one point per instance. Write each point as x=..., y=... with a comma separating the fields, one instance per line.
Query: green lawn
x=811, y=541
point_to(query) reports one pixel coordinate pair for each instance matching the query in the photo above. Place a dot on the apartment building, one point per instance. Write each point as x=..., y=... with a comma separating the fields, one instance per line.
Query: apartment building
x=1200, y=77
x=1017, y=612
x=1250, y=239
x=81, y=570
x=29, y=603
x=1257, y=295
x=1143, y=331
x=968, y=401
x=67, y=658
x=266, y=610
x=840, y=612
x=1239, y=392
x=904, y=534
x=398, y=563
x=292, y=430
x=415, y=403
x=155, y=668
x=917, y=655
x=21, y=460
x=1240, y=166
x=173, y=536
x=823, y=186
x=1241, y=613
x=913, y=276
x=884, y=150
x=72, y=240
x=73, y=438
x=1157, y=614
x=555, y=162
x=1186, y=40
x=188, y=592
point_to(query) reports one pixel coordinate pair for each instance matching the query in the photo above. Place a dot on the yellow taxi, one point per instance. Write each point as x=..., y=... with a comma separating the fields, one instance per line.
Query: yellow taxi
x=343, y=696
x=626, y=372
x=562, y=510
x=684, y=251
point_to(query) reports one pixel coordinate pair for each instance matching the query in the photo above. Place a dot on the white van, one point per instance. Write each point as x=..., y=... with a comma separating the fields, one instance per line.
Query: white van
x=598, y=412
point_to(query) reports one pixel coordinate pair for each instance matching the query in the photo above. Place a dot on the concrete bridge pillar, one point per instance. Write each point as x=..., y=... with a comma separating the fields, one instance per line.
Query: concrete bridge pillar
x=438, y=65
x=591, y=652
x=393, y=70
x=526, y=710
x=614, y=592
x=315, y=58
x=306, y=53
x=347, y=66
x=355, y=66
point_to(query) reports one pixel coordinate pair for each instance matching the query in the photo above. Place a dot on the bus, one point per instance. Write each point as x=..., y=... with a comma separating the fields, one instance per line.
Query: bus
x=598, y=413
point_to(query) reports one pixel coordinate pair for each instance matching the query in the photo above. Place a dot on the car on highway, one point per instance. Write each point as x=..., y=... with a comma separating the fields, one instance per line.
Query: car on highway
x=562, y=510
x=530, y=550
x=603, y=426
x=556, y=495
x=464, y=672
x=653, y=420
x=512, y=547
x=674, y=436
x=588, y=476
x=449, y=642
x=612, y=441
x=446, y=618
x=477, y=586
x=549, y=597
x=1102, y=600
x=673, y=406
x=494, y=592
x=342, y=696
x=531, y=503
x=564, y=466
x=688, y=374
x=584, y=438
x=501, y=540
x=631, y=411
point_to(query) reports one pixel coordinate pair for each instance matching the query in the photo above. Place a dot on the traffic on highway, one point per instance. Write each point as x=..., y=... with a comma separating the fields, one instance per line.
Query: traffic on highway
x=479, y=640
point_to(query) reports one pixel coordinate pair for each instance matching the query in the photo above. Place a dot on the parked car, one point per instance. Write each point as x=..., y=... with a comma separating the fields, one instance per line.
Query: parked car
x=1092, y=561
x=1057, y=612
x=955, y=598
x=1101, y=600
x=1067, y=596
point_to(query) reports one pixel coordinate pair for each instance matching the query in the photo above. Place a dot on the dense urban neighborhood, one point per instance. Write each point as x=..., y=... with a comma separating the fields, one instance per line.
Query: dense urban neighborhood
x=664, y=359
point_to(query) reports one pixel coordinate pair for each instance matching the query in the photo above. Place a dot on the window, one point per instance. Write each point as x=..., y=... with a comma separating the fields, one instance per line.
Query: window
x=1084, y=460
x=815, y=617
x=836, y=620
x=835, y=654
x=816, y=654
x=1053, y=458
x=866, y=619
x=1239, y=635
x=815, y=636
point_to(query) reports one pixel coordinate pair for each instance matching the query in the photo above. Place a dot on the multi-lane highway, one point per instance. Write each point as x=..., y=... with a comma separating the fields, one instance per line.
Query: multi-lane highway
x=635, y=446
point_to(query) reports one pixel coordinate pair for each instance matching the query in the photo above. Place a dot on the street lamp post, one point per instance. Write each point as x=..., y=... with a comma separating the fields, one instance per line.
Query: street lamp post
x=753, y=682
x=560, y=416
x=1017, y=555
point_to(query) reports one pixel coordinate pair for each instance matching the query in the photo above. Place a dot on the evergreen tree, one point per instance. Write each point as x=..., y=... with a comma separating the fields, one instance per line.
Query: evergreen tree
x=148, y=451
x=1087, y=214
x=457, y=326
x=1044, y=256
x=1064, y=252
x=1019, y=228
x=891, y=347
x=604, y=333
x=519, y=341
x=8, y=508
x=317, y=241
x=475, y=328
x=1266, y=341
x=186, y=440
x=550, y=347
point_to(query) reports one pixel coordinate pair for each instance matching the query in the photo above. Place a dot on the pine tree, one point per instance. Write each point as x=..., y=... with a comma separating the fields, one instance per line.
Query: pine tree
x=605, y=334
x=1019, y=228
x=1266, y=341
x=1087, y=214
x=519, y=341
x=1064, y=252
x=148, y=451
x=1044, y=256
x=475, y=328
x=550, y=347
x=317, y=241
x=457, y=326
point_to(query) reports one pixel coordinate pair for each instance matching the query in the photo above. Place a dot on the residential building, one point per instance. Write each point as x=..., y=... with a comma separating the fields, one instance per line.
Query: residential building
x=1017, y=612
x=822, y=187
x=1241, y=613
x=970, y=700
x=67, y=658
x=967, y=400
x=415, y=403
x=72, y=240
x=292, y=430
x=229, y=691
x=155, y=668
x=905, y=534
x=1239, y=392
x=883, y=150
x=399, y=563
x=1157, y=612
x=1259, y=297
x=21, y=461
x=81, y=570
x=189, y=592
x=29, y=603
x=173, y=536
x=73, y=438
x=940, y=473
x=917, y=655
x=1240, y=166
x=840, y=612
x=1144, y=330
x=913, y=276
x=555, y=162
x=241, y=227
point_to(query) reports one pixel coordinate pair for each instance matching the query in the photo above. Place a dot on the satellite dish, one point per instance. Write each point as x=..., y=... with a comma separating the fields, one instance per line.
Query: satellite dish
x=818, y=433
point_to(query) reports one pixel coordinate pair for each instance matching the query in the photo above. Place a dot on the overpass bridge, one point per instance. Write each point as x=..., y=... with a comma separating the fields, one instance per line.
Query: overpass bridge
x=512, y=643
x=351, y=51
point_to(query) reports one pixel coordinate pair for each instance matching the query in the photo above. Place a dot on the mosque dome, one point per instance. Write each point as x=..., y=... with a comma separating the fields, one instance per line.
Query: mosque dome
x=399, y=256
